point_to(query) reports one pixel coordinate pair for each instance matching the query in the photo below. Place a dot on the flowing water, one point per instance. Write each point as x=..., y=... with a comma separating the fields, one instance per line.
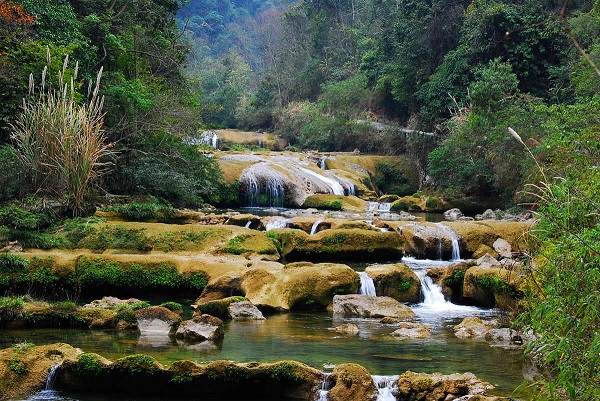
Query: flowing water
x=315, y=226
x=367, y=286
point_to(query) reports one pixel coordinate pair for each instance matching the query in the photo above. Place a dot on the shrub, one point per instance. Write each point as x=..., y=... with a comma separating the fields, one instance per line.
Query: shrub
x=144, y=211
x=395, y=178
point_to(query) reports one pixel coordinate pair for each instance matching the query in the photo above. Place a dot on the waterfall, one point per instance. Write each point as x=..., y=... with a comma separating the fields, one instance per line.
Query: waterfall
x=278, y=223
x=248, y=223
x=384, y=207
x=275, y=192
x=432, y=293
x=367, y=286
x=385, y=387
x=215, y=140
x=325, y=387
x=260, y=143
x=252, y=192
x=52, y=376
x=314, y=227
x=334, y=187
x=322, y=164
x=453, y=239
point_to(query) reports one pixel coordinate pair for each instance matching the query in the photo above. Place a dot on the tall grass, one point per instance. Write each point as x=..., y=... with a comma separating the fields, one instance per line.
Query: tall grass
x=60, y=139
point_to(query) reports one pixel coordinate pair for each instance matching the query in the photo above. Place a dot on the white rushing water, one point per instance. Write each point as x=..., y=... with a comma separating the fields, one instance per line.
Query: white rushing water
x=453, y=239
x=322, y=164
x=276, y=223
x=384, y=207
x=248, y=224
x=315, y=226
x=325, y=387
x=367, y=286
x=385, y=387
x=334, y=187
x=52, y=376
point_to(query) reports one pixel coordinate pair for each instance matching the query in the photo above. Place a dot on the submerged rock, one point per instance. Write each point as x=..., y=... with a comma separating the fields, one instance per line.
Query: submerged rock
x=369, y=306
x=412, y=331
x=473, y=327
x=348, y=328
x=157, y=320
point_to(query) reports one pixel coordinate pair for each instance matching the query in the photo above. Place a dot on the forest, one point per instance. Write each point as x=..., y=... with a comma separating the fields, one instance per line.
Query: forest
x=508, y=89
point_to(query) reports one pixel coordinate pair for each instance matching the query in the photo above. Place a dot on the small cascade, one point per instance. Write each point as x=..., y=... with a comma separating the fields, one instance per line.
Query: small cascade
x=367, y=286
x=260, y=143
x=372, y=206
x=215, y=140
x=325, y=387
x=52, y=376
x=315, y=226
x=322, y=164
x=432, y=293
x=385, y=387
x=384, y=207
x=263, y=186
x=248, y=224
x=453, y=239
x=278, y=223
x=334, y=187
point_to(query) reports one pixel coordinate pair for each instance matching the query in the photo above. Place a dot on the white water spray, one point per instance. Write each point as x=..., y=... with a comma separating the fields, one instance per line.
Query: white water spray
x=325, y=387
x=52, y=376
x=277, y=223
x=315, y=226
x=385, y=387
x=367, y=286
x=450, y=233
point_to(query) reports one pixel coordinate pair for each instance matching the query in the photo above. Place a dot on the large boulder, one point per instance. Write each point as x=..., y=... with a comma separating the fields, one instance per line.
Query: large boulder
x=473, y=327
x=503, y=248
x=490, y=286
x=428, y=240
x=299, y=286
x=397, y=281
x=474, y=234
x=341, y=244
x=453, y=214
x=218, y=308
x=368, y=306
x=223, y=287
x=351, y=382
x=201, y=328
x=244, y=310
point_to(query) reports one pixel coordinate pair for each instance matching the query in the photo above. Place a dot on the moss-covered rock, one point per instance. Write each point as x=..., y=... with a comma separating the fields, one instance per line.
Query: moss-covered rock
x=476, y=233
x=406, y=203
x=351, y=382
x=342, y=244
x=423, y=386
x=24, y=367
x=492, y=287
x=218, y=307
x=244, y=220
x=397, y=281
x=334, y=202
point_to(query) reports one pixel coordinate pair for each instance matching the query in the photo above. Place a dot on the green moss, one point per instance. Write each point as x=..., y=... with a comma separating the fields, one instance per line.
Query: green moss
x=173, y=306
x=144, y=211
x=335, y=239
x=135, y=364
x=324, y=202
x=88, y=365
x=495, y=285
x=457, y=279
x=404, y=285
x=116, y=237
x=284, y=372
x=15, y=363
x=98, y=273
x=218, y=308
x=182, y=378
x=236, y=245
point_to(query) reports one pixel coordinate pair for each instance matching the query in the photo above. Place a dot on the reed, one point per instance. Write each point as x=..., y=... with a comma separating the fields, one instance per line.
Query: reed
x=60, y=139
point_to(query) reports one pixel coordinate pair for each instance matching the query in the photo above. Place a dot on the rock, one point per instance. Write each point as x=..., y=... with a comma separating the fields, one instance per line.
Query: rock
x=218, y=308
x=341, y=244
x=157, y=320
x=492, y=286
x=29, y=372
x=389, y=320
x=201, y=328
x=244, y=310
x=351, y=382
x=348, y=328
x=453, y=214
x=12, y=247
x=475, y=233
x=487, y=262
x=244, y=220
x=483, y=250
x=111, y=303
x=412, y=331
x=368, y=306
x=503, y=248
x=397, y=281
x=436, y=386
x=473, y=327
x=223, y=287
x=489, y=214
x=422, y=240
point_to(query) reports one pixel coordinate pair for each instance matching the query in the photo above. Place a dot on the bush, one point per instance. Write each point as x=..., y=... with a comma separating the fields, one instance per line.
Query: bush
x=144, y=211
x=12, y=177
x=164, y=167
x=395, y=178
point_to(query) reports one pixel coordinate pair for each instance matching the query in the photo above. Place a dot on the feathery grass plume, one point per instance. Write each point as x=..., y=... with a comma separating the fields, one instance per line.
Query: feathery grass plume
x=518, y=138
x=60, y=140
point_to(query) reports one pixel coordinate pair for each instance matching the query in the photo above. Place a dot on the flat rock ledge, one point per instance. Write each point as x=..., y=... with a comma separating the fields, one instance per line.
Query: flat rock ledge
x=358, y=305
